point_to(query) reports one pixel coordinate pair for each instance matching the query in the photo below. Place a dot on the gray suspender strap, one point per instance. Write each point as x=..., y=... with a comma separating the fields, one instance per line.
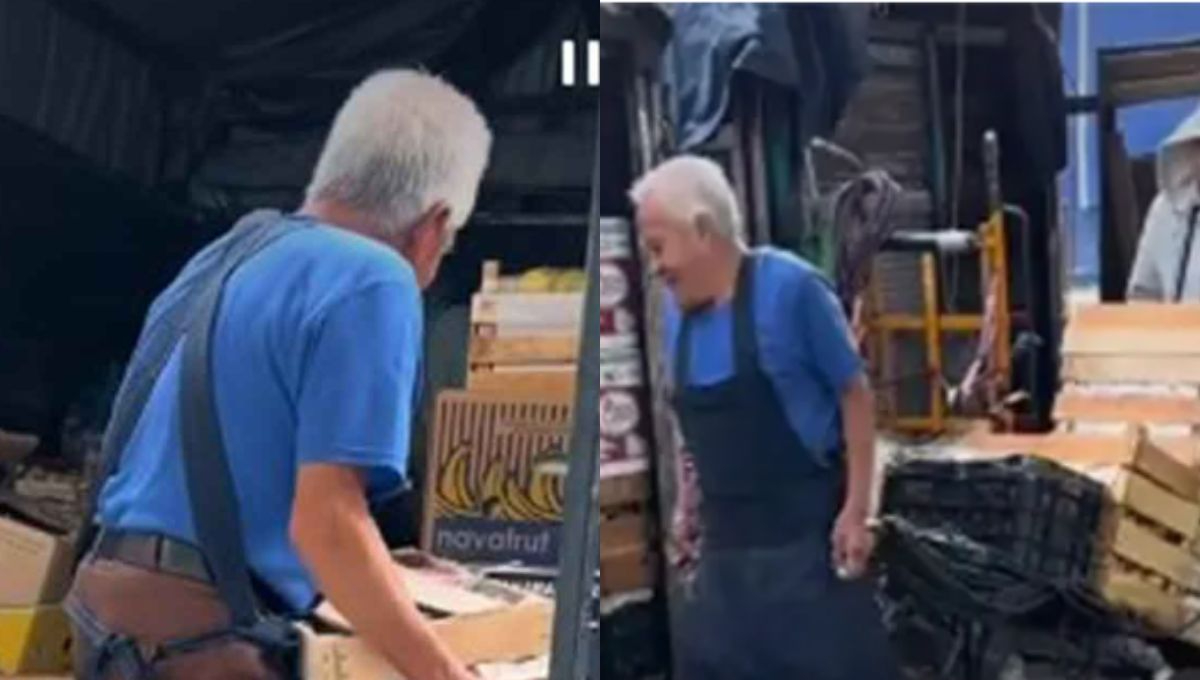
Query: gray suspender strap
x=211, y=493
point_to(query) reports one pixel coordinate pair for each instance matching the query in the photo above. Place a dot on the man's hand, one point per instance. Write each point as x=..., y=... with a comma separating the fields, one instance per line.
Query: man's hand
x=684, y=546
x=332, y=529
x=853, y=543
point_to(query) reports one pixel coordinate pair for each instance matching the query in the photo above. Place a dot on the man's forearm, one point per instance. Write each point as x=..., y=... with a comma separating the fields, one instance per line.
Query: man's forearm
x=858, y=424
x=350, y=562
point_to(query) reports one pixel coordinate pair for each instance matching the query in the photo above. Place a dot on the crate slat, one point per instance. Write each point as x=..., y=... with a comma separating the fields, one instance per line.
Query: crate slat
x=546, y=349
x=1125, y=588
x=1135, y=543
x=1129, y=408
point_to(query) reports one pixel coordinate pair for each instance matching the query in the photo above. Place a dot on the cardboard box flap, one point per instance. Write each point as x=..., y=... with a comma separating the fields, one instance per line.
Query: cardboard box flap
x=37, y=564
x=513, y=634
x=441, y=589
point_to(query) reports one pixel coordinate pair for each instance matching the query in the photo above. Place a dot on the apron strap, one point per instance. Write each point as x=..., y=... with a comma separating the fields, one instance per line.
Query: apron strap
x=745, y=337
x=216, y=515
x=683, y=353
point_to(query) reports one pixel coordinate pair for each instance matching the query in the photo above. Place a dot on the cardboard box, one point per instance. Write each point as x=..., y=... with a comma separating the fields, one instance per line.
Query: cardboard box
x=491, y=498
x=34, y=640
x=500, y=630
x=37, y=565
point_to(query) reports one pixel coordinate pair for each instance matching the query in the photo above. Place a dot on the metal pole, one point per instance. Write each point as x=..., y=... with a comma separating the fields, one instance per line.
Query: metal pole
x=576, y=626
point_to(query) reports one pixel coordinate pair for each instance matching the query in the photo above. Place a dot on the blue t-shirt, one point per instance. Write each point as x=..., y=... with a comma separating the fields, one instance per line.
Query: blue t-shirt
x=315, y=359
x=805, y=345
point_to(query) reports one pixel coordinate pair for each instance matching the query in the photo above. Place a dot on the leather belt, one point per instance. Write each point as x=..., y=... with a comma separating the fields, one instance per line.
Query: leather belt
x=154, y=552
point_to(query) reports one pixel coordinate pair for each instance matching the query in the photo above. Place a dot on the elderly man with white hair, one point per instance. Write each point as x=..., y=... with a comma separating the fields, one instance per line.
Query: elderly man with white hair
x=778, y=423
x=310, y=373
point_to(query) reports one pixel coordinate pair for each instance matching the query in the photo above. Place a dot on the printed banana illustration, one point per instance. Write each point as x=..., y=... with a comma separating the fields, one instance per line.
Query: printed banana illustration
x=546, y=494
x=453, y=493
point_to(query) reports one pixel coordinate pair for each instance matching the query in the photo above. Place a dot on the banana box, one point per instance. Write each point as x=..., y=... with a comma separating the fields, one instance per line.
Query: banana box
x=494, y=488
x=34, y=640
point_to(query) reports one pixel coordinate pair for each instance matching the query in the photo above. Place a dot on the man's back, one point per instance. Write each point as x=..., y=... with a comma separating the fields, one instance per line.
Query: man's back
x=314, y=360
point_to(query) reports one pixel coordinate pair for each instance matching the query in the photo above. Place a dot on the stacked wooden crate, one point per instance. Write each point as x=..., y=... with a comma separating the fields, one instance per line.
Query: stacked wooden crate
x=1136, y=368
x=525, y=336
x=628, y=559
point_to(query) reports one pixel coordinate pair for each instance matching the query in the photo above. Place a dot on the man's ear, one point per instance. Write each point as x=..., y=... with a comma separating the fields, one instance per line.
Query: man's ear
x=705, y=224
x=437, y=219
x=431, y=230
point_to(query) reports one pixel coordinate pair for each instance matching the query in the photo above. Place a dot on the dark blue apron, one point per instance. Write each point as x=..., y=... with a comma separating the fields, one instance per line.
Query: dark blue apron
x=766, y=603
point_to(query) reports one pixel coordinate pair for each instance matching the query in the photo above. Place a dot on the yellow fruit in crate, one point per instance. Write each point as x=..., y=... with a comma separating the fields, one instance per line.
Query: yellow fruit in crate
x=540, y=280
x=570, y=281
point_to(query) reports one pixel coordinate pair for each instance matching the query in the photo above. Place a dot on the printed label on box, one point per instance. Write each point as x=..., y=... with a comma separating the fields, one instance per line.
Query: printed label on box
x=471, y=539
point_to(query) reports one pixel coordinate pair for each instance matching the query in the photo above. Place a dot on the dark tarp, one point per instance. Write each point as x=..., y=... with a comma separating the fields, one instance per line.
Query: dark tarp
x=818, y=50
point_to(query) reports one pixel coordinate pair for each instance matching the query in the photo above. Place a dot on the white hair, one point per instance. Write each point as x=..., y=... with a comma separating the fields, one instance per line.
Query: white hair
x=691, y=186
x=402, y=141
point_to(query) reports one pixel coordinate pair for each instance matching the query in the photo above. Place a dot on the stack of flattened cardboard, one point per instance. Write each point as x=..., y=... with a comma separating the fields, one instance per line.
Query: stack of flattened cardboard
x=503, y=633
x=36, y=566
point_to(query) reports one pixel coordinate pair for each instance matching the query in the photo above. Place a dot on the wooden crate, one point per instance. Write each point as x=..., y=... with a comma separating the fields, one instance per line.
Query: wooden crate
x=532, y=381
x=627, y=570
x=1152, y=524
x=523, y=343
x=1133, y=343
x=1076, y=407
x=526, y=314
x=486, y=350
x=1144, y=594
x=624, y=484
x=628, y=529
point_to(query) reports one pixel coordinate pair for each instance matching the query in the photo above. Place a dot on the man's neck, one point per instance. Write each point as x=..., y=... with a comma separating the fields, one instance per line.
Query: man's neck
x=337, y=215
x=727, y=265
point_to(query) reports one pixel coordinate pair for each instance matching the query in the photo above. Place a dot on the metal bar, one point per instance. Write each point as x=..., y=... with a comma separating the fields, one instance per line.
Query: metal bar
x=1082, y=105
x=755, y=139
x=530, y=220
x=947, y=323
x=881, y=332
x=921, y=424
x=576, y=629
x=899, y=30
x=937, y=138
x=933, y=339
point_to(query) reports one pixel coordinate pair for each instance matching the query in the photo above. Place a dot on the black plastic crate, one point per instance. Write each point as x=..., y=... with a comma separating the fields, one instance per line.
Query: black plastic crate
x=1045, y=517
